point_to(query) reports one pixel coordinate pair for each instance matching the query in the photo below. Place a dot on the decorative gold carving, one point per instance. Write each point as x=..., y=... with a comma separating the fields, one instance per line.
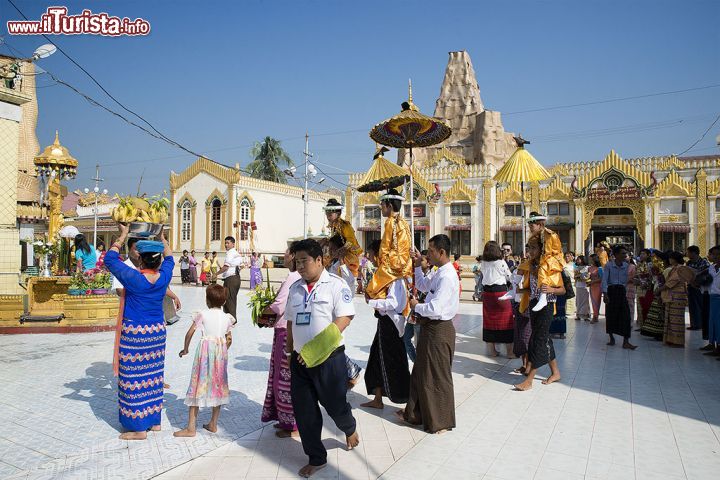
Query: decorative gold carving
x=420, y=180
x=674, y=186
x=672, y=162
x=511, y=193
x=613, y=161
x=369, y=198
x=216, y=194
x=348, y=204
x=535, y=196
x=232, y=176
x=459, y=191
x=702, y=200
x=713, y=188
x=636, y=205
x=557, y=190
x=445, y=153
x=487, y=201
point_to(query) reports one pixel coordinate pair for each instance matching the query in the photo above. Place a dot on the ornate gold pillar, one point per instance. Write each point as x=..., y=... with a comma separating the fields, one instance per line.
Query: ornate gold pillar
x=535, y=196
x=702, y=200
x=172, y=219
x=208, y=213
x=487, y=209
x=348, y=204
x=56, y=219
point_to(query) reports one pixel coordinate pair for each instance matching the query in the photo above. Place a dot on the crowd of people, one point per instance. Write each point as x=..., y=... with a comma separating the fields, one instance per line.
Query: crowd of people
x=415, y=296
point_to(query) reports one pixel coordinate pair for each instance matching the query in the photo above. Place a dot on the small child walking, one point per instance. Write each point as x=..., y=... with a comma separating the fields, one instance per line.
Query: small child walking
x=208, y=380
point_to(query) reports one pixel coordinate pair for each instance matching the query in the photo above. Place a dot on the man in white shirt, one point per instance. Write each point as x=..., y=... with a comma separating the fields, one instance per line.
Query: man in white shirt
x=432, y=399
x=387, y=372
x=230, y=275
x=714, y=318
x=319, y=308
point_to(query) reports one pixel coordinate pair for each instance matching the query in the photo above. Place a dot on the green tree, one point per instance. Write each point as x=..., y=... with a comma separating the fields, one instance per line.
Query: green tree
x=268, y=156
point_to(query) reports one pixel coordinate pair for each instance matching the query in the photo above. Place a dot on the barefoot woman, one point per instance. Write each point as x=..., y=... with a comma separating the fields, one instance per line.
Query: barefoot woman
x=142, y=343
x=540, y=347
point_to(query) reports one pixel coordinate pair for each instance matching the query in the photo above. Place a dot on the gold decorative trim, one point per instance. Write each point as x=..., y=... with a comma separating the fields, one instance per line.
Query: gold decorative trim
x=557, y=190
x=459, y=191
x=216, y=194
x=369, y=198
x=613, y=160
x=713, y=188
x=445, y=153
x=701, y=184
x=231, y=176
x=511, y=193
x=535, y=196
x=419, y=179
x=674, y=186
x=636, y=205
x=672, y=162
x=348, y=204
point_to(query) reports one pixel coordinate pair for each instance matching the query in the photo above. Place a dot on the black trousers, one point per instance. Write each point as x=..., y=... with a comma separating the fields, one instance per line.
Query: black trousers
x=232, y=285
x=324, y=385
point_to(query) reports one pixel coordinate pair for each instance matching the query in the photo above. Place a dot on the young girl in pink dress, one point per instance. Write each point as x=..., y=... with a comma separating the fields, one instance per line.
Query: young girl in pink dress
x=208, y=380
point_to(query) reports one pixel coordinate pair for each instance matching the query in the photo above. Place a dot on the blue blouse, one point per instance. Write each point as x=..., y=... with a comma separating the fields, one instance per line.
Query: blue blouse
x=89, y=259
x=143, y=300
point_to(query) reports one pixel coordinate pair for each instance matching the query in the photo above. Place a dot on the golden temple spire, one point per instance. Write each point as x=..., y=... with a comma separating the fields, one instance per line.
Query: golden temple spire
x=409, y=105
x=57, y=139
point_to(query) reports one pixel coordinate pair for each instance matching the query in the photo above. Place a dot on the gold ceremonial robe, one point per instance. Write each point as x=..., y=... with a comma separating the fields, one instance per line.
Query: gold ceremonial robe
x=393, y=260
x=352, y=247
x=551, y=261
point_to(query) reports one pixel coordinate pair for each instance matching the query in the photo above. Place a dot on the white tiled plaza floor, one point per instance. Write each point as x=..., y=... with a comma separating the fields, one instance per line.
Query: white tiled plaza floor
x=652, y=413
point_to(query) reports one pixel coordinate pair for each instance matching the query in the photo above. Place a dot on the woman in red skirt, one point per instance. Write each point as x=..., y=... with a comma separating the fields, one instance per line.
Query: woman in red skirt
x=497, y=310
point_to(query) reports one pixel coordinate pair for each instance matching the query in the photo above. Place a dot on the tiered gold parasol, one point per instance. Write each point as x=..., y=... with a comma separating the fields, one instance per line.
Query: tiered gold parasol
x=409, y=129
x=383, y=174
x=521, y=167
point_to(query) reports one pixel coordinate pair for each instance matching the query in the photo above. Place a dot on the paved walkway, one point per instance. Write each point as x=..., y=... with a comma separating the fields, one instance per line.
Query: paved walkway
x=651, y=413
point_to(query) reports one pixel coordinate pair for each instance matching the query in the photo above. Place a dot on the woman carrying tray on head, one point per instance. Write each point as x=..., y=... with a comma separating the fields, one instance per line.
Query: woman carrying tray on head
x=142, y=343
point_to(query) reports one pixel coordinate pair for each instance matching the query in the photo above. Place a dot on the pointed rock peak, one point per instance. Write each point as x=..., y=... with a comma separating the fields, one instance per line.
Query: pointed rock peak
x=460, y=92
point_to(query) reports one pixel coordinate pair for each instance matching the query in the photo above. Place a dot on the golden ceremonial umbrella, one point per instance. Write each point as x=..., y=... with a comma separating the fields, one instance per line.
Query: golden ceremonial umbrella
x=383, y=174
x=409, y=129
x=521, y=167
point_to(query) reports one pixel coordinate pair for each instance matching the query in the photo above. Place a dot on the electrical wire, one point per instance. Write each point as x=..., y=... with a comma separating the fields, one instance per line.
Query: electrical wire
x=702, y=136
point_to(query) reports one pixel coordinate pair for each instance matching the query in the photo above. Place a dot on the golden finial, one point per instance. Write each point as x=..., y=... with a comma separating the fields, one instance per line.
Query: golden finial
x=57, y=139
x=409, y=105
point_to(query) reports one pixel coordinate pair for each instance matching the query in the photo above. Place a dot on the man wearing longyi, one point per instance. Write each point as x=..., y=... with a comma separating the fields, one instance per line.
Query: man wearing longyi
x=319, y=308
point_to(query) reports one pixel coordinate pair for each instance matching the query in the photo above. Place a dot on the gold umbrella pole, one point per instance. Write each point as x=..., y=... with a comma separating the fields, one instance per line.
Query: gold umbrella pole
x=412, y=209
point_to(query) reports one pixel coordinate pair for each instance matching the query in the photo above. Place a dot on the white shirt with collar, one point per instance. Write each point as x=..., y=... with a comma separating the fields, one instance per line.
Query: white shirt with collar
x=341, y=270
x=715, y=274
x=443, y=293
x=393, y=304
x=232, y=259
x=329, y=299
x=115, y=282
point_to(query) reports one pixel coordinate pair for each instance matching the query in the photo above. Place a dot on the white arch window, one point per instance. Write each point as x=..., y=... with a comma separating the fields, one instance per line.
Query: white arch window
x=215, y=220
x=244, y=218
x=185, y=221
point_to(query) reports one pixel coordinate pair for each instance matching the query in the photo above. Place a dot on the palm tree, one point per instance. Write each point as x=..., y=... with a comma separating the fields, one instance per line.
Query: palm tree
x=267, y=158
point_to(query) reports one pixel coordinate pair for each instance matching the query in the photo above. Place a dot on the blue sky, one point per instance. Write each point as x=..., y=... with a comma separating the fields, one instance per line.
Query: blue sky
x=218, y=75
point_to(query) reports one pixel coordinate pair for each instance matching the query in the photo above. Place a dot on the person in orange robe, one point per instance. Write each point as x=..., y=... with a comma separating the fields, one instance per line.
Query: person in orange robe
x=394, y=260
x=351, y=250
x=552, y=260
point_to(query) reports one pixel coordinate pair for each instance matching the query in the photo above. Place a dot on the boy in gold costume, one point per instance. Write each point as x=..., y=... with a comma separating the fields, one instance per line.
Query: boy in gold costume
x=351, y=251
x=551, y=260
x=393, y=260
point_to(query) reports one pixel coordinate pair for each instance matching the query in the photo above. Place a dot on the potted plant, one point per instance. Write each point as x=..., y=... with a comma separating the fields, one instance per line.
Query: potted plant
x=77, y=284
x=260, y=299
x=101, y=283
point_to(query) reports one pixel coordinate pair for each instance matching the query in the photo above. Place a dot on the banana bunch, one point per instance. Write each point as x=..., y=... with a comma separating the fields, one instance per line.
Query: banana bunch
x=136, y=209
x=125, y=212
x=159, y=210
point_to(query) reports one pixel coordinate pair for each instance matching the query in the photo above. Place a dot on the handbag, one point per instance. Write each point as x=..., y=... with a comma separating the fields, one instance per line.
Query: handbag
x=567, y=282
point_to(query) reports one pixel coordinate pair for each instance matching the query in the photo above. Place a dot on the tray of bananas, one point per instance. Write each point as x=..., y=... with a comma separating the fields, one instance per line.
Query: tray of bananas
x=145, y=217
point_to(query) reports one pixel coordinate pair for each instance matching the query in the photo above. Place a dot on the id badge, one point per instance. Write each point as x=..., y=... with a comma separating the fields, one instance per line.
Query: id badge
x=302, y=318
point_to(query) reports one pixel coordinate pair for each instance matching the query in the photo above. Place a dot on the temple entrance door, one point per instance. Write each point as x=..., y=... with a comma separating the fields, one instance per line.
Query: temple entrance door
x=616, y=226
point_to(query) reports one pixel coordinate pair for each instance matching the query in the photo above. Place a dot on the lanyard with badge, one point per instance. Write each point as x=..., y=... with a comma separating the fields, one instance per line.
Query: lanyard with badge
x=303, y=318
